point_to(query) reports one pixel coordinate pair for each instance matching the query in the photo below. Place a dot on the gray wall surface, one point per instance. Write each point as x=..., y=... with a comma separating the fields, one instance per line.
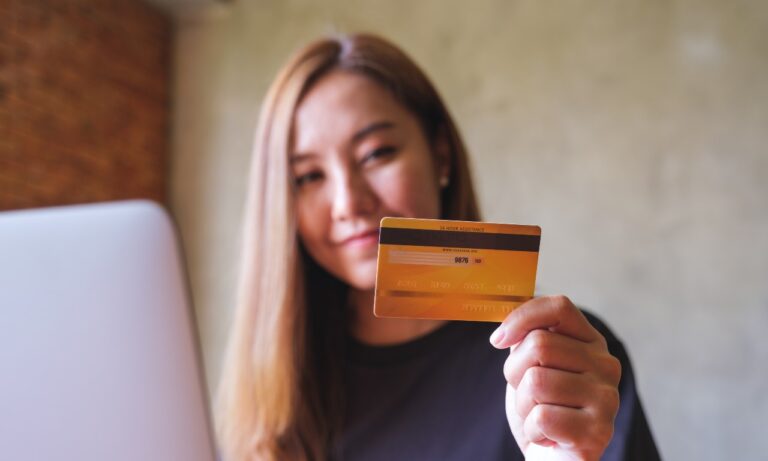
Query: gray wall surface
x=635, y=133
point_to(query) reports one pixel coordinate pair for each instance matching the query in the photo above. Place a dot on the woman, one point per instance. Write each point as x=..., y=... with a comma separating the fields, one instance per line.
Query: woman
x=352, y=131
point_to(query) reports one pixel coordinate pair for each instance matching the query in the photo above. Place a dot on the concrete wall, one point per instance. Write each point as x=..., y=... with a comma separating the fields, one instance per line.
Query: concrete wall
x=634, y=132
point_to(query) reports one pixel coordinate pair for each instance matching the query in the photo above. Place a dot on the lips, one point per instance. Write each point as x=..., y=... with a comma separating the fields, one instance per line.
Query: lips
x=362, y=237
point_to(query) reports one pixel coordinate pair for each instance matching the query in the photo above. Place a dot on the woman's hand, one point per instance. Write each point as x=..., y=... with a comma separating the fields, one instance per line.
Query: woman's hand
x=562, y=383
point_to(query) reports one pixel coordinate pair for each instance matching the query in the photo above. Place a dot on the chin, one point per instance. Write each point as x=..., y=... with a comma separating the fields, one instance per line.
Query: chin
x=363, y=276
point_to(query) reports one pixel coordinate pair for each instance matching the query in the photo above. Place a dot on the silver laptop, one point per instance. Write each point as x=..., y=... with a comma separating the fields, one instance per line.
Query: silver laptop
x=98, y=351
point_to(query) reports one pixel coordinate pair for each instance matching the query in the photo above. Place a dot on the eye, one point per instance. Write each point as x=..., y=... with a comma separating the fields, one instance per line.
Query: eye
x=381, y=152
x=307, y=178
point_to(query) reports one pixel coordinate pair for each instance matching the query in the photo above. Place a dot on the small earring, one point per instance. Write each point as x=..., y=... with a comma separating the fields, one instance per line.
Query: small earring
x=444, y=182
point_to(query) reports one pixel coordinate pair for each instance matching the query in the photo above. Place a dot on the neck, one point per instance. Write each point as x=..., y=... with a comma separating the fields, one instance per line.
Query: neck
x=373, y=330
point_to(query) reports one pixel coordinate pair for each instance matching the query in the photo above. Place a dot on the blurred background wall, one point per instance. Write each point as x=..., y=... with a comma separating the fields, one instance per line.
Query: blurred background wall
x=635, y=133
x=85, y=91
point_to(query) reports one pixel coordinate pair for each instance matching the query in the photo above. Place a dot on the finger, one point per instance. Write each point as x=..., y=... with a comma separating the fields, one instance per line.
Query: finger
x=546, y=349
x=552, y=350
x=553, y=387
x=568, y=427
x=555, y=313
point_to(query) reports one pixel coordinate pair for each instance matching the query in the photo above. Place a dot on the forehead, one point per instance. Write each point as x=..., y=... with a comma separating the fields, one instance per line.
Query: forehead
x=338, y=105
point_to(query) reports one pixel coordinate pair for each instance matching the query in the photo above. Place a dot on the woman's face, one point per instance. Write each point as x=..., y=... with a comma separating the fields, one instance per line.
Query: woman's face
x=357, y=155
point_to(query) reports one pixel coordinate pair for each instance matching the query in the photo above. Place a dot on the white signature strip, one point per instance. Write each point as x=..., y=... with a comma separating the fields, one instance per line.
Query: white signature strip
x=421, y=257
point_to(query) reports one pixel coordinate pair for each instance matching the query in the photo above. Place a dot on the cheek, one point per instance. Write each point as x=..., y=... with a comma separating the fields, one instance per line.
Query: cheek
x=311, y=224
x=409, y=191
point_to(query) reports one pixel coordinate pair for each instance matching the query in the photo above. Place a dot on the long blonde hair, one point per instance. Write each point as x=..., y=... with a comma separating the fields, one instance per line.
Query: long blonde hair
x=280, y=394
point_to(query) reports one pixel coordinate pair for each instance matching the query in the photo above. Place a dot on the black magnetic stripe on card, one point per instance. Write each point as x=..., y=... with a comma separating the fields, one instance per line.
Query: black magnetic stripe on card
x=457, y=239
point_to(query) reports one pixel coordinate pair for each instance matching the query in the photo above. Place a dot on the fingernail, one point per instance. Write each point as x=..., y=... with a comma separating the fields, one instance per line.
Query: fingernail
x=498, y=336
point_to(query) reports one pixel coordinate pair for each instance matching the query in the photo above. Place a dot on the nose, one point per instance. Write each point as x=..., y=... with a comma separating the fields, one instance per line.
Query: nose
x=352, y=195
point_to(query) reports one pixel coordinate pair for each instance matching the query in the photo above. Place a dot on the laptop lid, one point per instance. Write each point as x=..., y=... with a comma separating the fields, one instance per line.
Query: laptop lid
x=98, y=351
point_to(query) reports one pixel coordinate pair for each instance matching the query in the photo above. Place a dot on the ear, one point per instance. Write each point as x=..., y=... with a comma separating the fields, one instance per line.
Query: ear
x=442, y=152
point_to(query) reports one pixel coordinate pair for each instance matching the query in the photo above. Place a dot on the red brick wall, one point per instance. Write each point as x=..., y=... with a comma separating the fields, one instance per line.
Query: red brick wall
x=84, y=101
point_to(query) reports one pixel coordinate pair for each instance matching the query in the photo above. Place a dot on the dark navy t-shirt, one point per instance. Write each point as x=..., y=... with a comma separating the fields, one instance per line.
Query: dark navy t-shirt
x=441, y=397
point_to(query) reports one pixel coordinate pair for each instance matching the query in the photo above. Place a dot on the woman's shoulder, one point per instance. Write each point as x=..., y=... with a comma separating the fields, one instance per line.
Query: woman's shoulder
x=599, y=324
x=615, y=346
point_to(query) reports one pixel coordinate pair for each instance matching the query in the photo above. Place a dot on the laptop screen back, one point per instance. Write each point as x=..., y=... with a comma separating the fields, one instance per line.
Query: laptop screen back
x=98, y=350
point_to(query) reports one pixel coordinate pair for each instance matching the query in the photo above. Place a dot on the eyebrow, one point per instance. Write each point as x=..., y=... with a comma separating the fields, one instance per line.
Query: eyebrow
x=376, y=126
x=299, y=157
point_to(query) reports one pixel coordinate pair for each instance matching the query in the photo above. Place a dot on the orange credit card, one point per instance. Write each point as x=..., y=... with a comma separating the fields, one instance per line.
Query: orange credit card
x=454, y=270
